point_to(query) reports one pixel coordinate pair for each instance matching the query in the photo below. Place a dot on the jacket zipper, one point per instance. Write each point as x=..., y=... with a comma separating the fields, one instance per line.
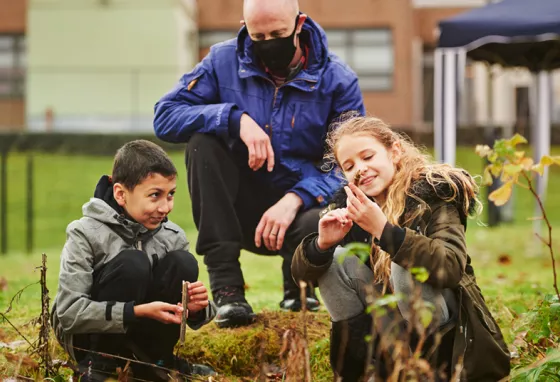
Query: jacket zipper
x=276, y=89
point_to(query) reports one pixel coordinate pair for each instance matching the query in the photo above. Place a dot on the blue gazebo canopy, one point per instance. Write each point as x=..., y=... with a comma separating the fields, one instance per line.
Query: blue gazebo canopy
x=512, y=33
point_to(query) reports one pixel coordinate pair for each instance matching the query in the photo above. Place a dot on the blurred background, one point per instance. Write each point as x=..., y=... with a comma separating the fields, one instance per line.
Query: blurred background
x=78, y=78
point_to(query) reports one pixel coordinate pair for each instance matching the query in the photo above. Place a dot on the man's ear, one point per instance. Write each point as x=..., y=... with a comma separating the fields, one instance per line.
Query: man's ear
x=119, y=193
x=242, y=22
x=301, y=21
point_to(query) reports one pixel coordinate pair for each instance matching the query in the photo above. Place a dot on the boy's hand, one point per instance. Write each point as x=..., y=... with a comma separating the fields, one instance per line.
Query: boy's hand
x=160, y=311
x=198, y=297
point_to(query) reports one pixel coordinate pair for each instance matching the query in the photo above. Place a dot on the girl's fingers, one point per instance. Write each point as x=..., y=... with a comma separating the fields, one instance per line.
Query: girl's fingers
x=351, y=200
x=359, y=194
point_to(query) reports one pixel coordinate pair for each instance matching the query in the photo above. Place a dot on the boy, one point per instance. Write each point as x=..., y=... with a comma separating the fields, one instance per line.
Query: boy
x=121, y=274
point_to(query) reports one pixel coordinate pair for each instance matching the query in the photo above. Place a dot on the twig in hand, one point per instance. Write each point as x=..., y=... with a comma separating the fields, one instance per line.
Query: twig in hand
x=185, y=315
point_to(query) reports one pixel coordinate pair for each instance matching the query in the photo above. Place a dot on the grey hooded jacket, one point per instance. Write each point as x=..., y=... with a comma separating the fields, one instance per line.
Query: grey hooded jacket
x=95, y=239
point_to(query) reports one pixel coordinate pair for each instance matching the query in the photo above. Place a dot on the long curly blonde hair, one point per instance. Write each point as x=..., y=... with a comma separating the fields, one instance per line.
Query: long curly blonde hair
x=413, y=165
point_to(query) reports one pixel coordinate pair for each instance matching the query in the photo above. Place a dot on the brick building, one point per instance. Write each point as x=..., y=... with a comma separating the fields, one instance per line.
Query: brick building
x=12, y=63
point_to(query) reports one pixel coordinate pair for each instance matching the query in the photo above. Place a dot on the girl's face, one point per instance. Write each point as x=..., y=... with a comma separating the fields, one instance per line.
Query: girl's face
x=362, y=152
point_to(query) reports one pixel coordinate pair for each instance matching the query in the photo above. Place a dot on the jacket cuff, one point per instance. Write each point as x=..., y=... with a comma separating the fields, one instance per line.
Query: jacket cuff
x=234, y=123
x=128, y=313
x=308, y=200
x=317, y=257
x=391, y=238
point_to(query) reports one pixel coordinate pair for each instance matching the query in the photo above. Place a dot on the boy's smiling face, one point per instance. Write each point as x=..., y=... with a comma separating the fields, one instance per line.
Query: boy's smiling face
x=150, y=201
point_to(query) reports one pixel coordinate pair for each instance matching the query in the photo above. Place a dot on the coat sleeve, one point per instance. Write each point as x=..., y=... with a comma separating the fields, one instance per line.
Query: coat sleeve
x=193, y=105
x=442, y=251
x=303, y=268
x=317, y=190
x=76, y=311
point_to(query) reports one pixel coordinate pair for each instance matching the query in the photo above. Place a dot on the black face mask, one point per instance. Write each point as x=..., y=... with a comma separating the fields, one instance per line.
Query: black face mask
x=277, y=53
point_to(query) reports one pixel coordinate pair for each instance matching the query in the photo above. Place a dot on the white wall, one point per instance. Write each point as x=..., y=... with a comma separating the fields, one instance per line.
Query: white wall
x=102, y=64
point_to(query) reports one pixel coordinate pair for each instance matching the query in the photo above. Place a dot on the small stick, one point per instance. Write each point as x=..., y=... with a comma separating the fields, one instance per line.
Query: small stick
x=185, y=302
x=357, y=178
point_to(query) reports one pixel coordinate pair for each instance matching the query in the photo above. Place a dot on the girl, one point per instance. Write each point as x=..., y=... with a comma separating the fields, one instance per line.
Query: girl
x=414, y=212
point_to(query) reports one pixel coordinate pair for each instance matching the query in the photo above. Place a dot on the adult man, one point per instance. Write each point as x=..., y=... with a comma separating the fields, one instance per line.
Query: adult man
x=265, y=99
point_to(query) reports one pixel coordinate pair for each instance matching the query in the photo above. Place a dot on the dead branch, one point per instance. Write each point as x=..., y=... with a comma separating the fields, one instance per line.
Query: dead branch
x=17, y=296
x=548, y=243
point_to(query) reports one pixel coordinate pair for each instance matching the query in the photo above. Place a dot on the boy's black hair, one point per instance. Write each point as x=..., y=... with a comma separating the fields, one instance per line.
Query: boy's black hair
x=136, y=160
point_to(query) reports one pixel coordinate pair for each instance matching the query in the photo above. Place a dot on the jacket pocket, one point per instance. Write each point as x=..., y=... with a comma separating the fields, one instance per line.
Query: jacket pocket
x=487, y=357
x=307, y=125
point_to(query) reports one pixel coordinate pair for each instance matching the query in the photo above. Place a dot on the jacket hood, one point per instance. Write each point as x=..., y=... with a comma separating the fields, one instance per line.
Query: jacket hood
x=312, y=35
x=422, y=189
x=104, y=208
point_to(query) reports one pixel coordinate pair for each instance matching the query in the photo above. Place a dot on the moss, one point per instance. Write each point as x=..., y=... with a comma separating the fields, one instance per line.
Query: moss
x=243, y=351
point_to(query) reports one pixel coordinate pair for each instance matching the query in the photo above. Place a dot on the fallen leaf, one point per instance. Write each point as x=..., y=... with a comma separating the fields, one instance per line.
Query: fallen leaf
x=504, y=259
x=501, y=276
x=25, y=360
x=3, y=284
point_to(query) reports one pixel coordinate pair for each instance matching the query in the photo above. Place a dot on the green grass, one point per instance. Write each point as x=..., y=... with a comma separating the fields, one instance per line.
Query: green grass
x=63, y=184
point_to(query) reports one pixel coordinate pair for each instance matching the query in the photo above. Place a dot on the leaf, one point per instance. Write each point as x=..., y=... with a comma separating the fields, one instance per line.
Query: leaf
x=527, y=163
x=483, y=150
x=502, y=194
x=3, y=284
x=512, y=169
x=495, y=169
x=487, y=179
x=361, y=250
x=426, y=316
x=504, y=259
x=517, y=140
x=420, y=273
x=538, y=168
x=547, y=160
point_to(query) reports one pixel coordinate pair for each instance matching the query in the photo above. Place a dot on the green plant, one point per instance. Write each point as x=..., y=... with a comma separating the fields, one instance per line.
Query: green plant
x=513, y=167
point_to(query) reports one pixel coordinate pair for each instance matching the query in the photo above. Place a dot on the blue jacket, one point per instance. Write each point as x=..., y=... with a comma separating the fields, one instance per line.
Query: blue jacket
x=230, y=81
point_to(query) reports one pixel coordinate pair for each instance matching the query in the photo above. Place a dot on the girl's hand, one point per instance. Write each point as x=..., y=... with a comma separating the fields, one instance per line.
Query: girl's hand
x=333, y=227
x=364, y=212
x=198, y=297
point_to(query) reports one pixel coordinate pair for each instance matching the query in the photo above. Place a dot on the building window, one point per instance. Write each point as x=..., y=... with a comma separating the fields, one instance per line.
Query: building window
x=12, y=66
x=369, y=52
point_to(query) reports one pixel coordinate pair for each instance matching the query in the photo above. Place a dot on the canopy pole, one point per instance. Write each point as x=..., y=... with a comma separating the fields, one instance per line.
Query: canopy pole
x=438, y=104
x=541, y=136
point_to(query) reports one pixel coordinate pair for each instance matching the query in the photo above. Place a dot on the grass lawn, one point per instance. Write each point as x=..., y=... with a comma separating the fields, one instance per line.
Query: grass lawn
x=512, y=270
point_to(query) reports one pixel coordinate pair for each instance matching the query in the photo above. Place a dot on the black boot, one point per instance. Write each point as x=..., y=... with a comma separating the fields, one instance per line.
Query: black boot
x=349, y=347
x=233, y=309
x=292, y=300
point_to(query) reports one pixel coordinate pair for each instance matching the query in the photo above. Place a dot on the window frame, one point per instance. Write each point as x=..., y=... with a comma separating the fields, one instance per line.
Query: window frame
x=15, y=75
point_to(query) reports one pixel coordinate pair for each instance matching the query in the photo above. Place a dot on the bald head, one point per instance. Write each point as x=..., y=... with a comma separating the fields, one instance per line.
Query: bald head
x=271, y=18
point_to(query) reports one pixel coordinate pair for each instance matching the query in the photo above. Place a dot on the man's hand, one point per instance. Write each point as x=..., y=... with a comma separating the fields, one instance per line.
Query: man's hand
x=160, y=311
x=198, y=297
x=276, y=221
x=257, y=142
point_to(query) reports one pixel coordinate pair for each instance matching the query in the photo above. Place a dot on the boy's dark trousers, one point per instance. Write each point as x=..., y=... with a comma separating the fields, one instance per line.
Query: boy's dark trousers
x=228, y=203
x=131, y=277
